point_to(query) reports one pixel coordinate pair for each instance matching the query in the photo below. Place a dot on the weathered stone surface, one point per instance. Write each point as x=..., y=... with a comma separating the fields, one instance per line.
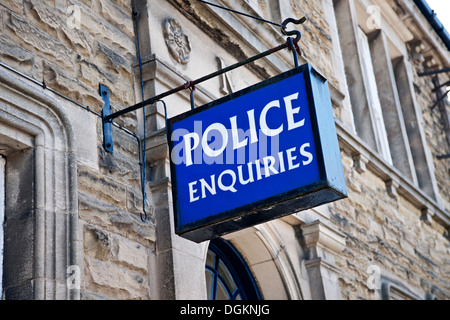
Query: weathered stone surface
x=109, y=280
x=58, y=26
x=109, y=59
x=386, y=232
x=105, y=246
x=105, y=33
x=13, y=53
x=121, y=19
x=124, y=223
x=15, y=6
x=91, y=74
x=101, y=187
x=34, y=39
x=115, y=266
x=125, y=258
x=57, y=79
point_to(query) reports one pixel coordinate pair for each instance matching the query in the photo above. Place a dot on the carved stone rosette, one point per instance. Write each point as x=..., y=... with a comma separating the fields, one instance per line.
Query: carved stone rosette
x=177, y=42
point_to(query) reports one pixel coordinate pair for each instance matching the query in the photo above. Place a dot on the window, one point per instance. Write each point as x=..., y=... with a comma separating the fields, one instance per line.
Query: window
x=386, y=115
x=372, y=96
x=227, y=275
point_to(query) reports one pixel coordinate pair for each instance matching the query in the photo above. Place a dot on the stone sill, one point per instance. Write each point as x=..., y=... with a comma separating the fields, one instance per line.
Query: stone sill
x=396, y=182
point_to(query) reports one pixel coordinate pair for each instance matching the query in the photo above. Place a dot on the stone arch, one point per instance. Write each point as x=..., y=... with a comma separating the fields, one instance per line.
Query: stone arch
x=273, y=258
x=41, y=230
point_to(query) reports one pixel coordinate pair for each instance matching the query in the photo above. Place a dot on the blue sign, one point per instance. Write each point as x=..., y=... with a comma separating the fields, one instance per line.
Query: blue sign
x=262, y=153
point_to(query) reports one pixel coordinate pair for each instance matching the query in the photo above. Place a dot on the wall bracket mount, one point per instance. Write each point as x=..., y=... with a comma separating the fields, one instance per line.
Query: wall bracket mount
x=106, y=122
x=107, y=116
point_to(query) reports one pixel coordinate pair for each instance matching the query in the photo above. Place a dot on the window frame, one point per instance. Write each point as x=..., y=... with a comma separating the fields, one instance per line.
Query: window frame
x=402, y=114
x=373, y=97
x=225, y=252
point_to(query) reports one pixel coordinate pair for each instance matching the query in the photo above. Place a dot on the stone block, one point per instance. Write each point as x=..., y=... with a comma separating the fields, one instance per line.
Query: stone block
x=427, y=216
x=103, y=215
x=13, y=5
x=360, y=162
x=132, y=255
x=115, y=16
x=28, y=36
x=119, y=167
x=61, y=5
x=97, y=243
x=15, y=56
x=106, y=246
x=110, y=60
x=270, y=283
x=391, y=188
x=106, y=33
x=134, y=201
x=70, y=86
x=113, y=281
x=102, y=188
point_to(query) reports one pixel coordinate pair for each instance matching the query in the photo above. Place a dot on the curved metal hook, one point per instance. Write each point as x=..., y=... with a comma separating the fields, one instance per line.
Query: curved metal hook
x=292, y=32
x=144, y=214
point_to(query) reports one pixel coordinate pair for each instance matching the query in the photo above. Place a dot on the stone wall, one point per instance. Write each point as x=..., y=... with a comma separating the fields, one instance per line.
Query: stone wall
x=436, y=129
x=387, y=232
x=386, y=225
x=387, y=221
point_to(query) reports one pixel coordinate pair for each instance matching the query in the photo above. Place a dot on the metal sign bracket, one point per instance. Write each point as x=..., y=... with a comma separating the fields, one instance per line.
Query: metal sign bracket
x=107, y=123
x=107, y=116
